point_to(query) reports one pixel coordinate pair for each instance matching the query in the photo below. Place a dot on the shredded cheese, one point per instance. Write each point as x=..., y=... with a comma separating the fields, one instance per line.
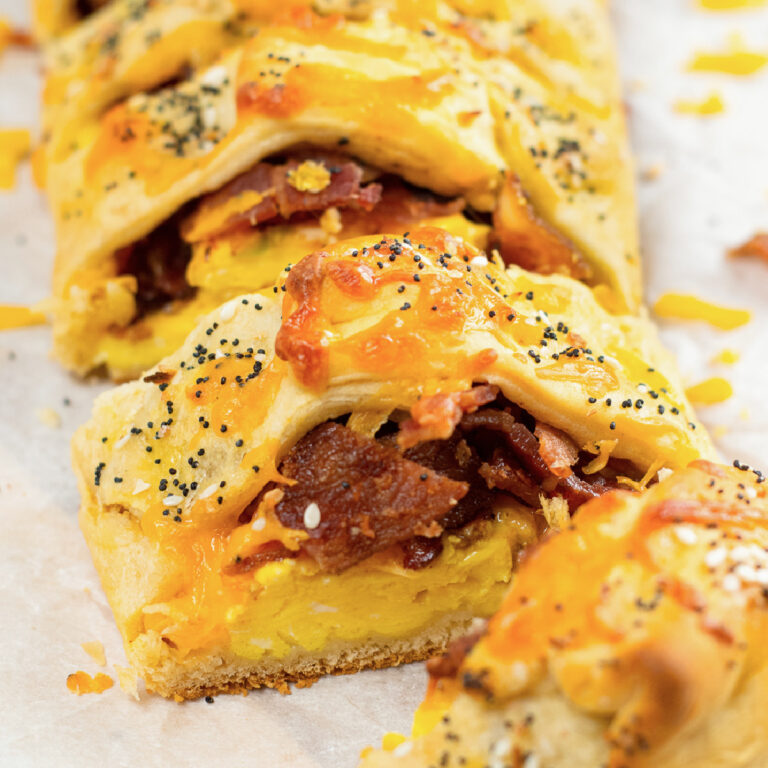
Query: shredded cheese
x=16, y=316
x=391, y=740
x=679, y=306
x=14, y=146
x=96, y=651
x=731, y=5
x=712, y=105
x=710, y=391
x=310, y=176
x=736, y=59
x=604, y=450
x=647, y=477
x=726, y=357
x=81, y=682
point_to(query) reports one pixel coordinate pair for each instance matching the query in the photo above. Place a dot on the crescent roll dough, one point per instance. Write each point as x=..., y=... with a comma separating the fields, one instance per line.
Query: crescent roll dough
x=636, y=638
x=396, y=417
x=509, y=110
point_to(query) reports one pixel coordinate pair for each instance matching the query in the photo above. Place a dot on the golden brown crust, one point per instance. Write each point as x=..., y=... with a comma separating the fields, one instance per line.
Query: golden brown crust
x=168, y=463
x=222, y=672
x=525, y=89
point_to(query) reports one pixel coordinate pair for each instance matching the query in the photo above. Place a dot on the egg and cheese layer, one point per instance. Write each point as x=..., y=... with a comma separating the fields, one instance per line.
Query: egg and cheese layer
x=453, y=97
x=168, y=464
x=291, y=604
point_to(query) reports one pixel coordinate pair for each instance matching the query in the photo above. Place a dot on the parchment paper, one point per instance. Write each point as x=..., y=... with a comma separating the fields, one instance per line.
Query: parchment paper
x=712, y=193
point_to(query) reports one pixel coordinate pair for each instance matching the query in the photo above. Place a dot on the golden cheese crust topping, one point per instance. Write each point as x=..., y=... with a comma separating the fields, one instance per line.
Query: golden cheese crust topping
x=510, y=107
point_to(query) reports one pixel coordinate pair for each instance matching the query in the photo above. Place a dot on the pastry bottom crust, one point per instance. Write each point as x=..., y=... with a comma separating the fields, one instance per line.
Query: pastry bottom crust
x=220, y=671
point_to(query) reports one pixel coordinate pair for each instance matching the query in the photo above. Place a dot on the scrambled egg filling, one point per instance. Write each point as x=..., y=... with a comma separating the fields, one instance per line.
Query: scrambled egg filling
x=295, y=605
x=291, y=605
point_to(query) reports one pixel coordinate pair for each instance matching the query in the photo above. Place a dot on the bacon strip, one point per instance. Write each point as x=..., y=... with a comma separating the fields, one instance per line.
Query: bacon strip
x=369, y=496
x=281, y=200
x=436, y=417
x=159, y=263
x=525, y=239
x=559, y=452
x=525, y=450
x=399, y=209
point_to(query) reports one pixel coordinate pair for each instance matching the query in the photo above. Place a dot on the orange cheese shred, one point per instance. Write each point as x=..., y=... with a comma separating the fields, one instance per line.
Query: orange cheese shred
x=731, y=5
x=391, y=740
x=10, y=35
x=81, y=683
x=14, y=146
x=756, y=248
x=710, y=391
x=604, y=450
x=736, y=59
x=726, y=357
x=16, y=316
x=678, y=306
x=712, y=105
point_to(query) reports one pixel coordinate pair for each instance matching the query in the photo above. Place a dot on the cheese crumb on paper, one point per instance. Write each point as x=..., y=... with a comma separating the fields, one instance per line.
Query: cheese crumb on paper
x=96, y=651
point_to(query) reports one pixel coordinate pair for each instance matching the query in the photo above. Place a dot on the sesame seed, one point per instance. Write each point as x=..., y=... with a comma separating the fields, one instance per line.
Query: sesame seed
x=312, y=516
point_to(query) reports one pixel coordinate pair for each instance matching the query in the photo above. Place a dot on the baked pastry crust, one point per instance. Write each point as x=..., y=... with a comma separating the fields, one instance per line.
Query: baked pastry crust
x=366, y=328
x=459, y=98
x=634, y=639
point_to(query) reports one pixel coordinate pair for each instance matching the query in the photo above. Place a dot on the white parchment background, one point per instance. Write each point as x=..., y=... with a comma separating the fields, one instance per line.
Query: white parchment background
x=712, y=193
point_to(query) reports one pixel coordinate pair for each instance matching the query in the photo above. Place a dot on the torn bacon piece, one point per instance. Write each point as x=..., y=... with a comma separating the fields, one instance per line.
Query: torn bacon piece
x=369, y=496
x=420, y=551
x=267, y=194
x=521, y=237
x=159, y=264
x=436, y=417
x=756, y=248
x=507, y=475
x=559, y=452
x=456, y=459
x=524, y=446
x=400, y=208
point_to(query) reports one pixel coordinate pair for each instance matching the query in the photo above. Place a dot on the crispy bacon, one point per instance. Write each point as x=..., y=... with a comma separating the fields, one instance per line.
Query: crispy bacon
x=559, y=452
x=356, y=495
x=369, y=496
x=525, y=239
x=420, y=551
x=503, y=470
x=279, y=199
x=400, y=208
x=504, y=473
x=267, y=553
x=436, y=417
x=456, y=459
x=159, y=264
